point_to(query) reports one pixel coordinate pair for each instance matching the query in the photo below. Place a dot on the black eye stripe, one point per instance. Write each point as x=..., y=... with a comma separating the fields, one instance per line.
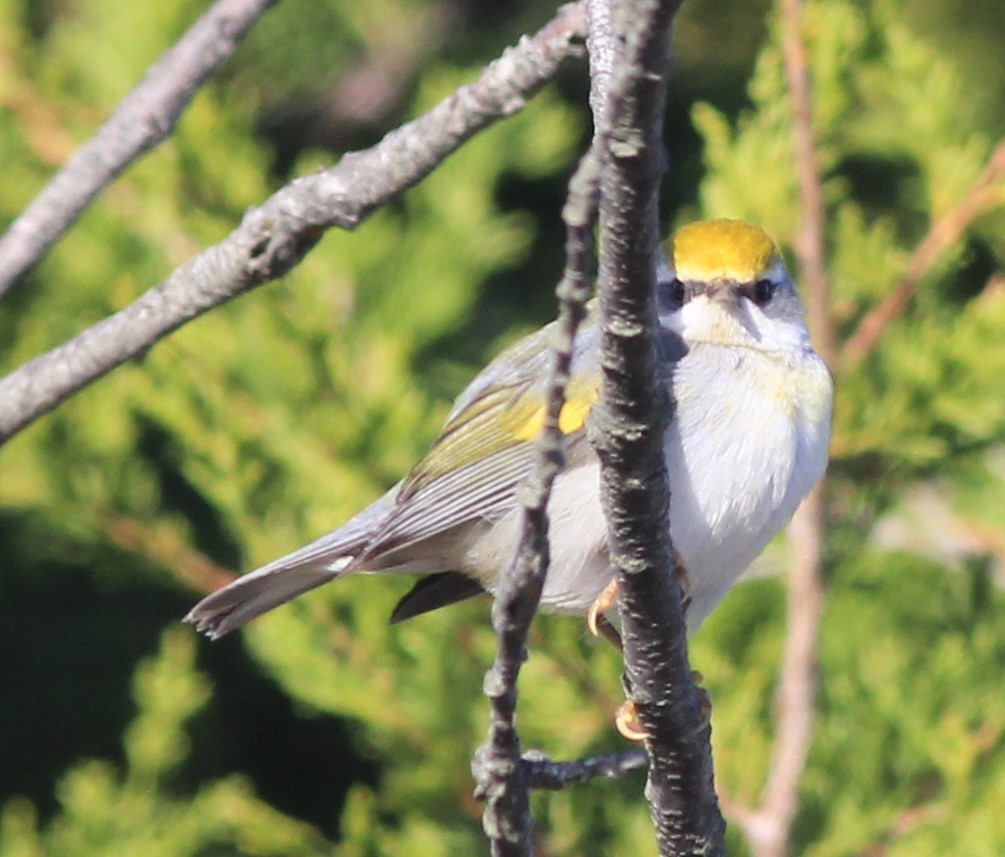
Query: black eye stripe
x=673, y=294
x=762, y=291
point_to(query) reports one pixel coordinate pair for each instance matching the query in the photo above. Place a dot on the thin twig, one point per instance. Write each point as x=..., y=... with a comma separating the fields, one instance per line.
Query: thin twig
x=274, y=237
x=944, y=232
x=543, y=773
x=143, y=120
x=502, y=777
x=630, y=420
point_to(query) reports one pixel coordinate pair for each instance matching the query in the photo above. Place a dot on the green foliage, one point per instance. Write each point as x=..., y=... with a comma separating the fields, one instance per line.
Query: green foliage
x=901, y=142
x=909, y=747
x=108, y=812
x=276, y=417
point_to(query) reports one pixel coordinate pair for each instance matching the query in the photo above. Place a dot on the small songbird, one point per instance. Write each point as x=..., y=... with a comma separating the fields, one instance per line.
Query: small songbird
x=747, y=440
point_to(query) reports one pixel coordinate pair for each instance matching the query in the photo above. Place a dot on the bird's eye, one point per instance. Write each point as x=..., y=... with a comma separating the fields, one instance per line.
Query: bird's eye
x=762, y=292
x=676, y=293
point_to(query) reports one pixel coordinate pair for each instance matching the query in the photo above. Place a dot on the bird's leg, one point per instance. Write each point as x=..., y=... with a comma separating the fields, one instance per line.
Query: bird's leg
x=595, y=620
x=605, y=628
x=626, y=719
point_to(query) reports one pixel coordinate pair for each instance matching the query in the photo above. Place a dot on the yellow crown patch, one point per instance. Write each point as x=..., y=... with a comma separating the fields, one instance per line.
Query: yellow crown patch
x=721, y=250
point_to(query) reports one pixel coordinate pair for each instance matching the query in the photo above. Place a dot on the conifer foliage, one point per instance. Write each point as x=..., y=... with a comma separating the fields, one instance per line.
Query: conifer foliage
x=323, y=730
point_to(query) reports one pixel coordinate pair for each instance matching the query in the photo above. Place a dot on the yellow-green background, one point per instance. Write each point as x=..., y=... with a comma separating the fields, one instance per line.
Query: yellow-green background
x=322, y=730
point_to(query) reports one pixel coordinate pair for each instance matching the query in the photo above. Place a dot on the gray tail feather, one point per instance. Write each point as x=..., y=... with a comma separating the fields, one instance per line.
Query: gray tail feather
x=254, y=594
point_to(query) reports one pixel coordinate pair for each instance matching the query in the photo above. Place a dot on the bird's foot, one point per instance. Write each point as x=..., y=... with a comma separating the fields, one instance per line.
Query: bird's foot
x=595, y=619
x=626, y=721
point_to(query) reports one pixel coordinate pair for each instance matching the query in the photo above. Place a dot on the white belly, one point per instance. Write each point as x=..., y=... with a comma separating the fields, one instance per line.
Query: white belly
x=740, y=466
x=740, y=455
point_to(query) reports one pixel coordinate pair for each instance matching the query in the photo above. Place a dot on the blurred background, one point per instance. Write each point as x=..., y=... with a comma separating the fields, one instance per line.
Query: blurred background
x=320, y=729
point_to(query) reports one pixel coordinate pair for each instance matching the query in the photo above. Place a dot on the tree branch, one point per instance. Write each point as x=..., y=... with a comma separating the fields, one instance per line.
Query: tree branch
x=144, y=119
x=630, y=421
x=542, y=773
x=769, y=826
x=274, y=237
x=504, y=780
x=809, y=243
x=942, y=234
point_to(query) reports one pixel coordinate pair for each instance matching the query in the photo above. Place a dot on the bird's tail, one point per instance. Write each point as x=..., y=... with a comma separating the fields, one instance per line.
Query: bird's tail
x=259, y=591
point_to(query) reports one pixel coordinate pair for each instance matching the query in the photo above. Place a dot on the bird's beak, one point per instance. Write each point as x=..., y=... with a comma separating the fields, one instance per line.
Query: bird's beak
x=727, y=312
x=723, y=293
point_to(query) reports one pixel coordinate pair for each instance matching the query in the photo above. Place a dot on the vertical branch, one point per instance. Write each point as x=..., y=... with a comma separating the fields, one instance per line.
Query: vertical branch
x=603, y=46
x=769, y=827
x=809, y=241
x=630, y=421
x=504, y=780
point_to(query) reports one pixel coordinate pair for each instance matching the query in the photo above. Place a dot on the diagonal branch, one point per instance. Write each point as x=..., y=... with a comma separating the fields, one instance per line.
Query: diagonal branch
x=943, y=234
x=629, y=424
x=274, y=237
x=144, y=119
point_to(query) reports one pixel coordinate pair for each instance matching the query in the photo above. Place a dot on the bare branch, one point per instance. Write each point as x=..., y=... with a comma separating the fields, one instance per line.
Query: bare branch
x=143, y=120
x=769, y=826
x=504, y=780
x=630, y=421
x=166, y=546
x=542, y=773
x=274, y=237
x=942, y=234
x=810, y=237
x=795, y=713
x=603, y=46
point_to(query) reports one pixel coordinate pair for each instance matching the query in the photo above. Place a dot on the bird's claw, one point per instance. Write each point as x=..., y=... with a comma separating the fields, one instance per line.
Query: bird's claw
x=603, y=602
x=626, y=721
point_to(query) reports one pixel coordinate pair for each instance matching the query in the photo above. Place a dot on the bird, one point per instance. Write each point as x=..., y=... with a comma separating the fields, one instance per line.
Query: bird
x=746, y=441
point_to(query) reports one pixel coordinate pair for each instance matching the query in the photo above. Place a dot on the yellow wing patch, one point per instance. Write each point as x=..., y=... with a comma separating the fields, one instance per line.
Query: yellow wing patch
x=494, y=422
x=571, y=418
x=721, y=250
